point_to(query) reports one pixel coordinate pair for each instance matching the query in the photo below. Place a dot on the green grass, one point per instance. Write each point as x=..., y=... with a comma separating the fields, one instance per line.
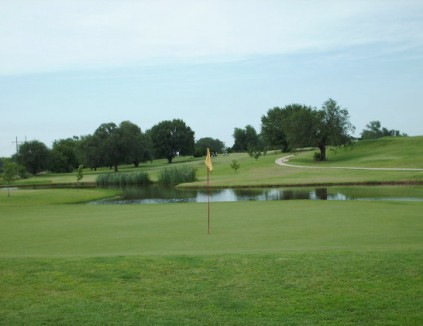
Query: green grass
x=390, y=152
x=265, y=263
x=387, y=152
x=41, y=197
x=270, y=289
x=244, y=227
x=123, y=179
x=176, y=175
x=271, y=263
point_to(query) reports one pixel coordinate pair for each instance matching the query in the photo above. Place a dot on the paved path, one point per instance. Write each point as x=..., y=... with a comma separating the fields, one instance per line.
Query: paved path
x=283, y=162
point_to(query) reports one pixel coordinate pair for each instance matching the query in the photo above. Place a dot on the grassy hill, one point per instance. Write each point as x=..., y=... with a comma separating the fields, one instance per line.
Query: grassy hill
x=390, y=152
x=387, y=152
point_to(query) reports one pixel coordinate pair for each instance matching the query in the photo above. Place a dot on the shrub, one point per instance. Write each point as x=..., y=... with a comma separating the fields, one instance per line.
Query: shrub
x=123, y=179
x=174, y=176
x=316, y=156
x=235, y=165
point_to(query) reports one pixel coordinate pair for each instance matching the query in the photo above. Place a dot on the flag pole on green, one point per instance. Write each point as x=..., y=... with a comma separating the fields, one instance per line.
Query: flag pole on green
x=209, y=166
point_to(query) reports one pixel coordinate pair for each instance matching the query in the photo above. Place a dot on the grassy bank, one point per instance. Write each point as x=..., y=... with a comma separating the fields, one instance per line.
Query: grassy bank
x=390, y=152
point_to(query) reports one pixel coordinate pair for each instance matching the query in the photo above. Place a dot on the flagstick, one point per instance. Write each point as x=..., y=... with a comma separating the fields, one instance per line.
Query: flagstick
x=208, y=201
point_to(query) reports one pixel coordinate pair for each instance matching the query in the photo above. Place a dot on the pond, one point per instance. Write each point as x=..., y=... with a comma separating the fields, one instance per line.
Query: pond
x=156, y=195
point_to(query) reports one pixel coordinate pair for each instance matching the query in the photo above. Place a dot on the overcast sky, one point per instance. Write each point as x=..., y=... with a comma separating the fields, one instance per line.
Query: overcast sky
x=68, y=66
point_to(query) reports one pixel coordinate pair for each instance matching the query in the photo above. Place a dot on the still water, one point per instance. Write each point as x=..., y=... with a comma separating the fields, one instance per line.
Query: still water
x=156, y=194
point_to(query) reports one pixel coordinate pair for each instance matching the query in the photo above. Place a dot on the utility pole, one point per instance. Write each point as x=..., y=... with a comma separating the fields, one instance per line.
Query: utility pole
x=17, y=151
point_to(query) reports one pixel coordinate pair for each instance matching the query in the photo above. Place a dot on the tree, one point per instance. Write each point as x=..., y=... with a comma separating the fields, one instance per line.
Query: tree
x=63, y=156
x=245, y=139
x=374, y=130
x=235, y=165
x=134, y=144
x=170, y=138
x=111, y=145
x=88, y=151
x=320, y=128
x=79, y=173
x=34, y=155
x=215, y=146
x=272, y=129
x=110, y=149
x=9, y=173
x=274, y=126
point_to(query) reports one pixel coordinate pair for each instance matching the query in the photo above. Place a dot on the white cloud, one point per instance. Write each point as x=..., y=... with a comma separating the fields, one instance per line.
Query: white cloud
x=53, y=35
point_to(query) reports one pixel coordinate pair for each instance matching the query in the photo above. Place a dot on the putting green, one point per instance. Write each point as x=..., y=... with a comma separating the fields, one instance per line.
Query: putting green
x=181, y=229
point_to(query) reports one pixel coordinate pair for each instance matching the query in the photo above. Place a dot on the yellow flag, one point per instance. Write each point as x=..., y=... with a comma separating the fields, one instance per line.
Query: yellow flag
x=208, y=162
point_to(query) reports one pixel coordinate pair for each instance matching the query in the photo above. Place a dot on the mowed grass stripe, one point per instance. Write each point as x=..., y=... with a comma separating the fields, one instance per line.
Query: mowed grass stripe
x=348, y=288
x=181, y=229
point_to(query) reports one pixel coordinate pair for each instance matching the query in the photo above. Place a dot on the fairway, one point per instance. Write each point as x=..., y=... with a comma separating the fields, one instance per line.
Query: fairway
x=298, y=262
x=265, y=263
x=181, y=229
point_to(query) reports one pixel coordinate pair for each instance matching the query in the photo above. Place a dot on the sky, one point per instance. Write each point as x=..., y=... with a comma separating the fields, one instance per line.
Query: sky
x=68, y=66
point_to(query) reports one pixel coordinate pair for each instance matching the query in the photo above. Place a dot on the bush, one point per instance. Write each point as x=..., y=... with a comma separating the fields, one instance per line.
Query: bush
x=235, y=165
x=316, y=156
x=174, y=176
x=123, y=179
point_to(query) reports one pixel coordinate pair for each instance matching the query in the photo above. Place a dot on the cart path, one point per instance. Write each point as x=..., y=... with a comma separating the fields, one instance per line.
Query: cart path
x=283, y=162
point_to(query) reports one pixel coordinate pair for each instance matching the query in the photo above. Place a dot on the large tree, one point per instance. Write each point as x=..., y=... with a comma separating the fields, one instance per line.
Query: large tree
x=328, y=126
x=245, y=139
x=63, y=157
x=273, y=126
x=88, y=151
x=34, y=156
x=134, y=144
x=9, y=173
x=172, y=137
x=215, y=145
x=111, y=150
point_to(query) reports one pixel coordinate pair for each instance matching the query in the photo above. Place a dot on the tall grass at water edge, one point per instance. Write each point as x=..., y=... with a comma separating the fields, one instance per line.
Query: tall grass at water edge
x=174, y=176
x=123, y=179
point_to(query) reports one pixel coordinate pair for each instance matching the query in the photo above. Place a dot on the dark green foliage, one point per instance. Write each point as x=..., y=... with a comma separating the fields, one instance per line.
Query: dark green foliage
x=245, y=138
x=215, y=146
x=123, y=179
x=171, y=138
x=254, y=153
x=9, y=173
x=63, y=157
x=79, y=173
x=174, y=176
x=112, y=145
x=34, y=156
x=321, y=128
x=235, y=165
x=273, y=130
x=374, y=130
x=89, y=151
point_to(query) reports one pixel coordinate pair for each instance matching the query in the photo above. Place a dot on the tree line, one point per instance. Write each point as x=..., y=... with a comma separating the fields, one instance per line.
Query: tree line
x=111, y=145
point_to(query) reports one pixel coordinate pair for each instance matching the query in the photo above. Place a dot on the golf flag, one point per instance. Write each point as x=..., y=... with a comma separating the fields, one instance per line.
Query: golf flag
x=208, y=162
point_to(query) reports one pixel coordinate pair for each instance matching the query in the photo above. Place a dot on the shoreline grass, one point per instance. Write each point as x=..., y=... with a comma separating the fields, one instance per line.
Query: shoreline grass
x=123, y=179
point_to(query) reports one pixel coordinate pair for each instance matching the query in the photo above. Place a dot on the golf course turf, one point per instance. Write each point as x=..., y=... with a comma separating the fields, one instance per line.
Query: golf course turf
x=66, y=262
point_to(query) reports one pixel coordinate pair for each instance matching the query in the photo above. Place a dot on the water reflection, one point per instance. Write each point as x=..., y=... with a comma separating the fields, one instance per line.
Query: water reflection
x=156, y=194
